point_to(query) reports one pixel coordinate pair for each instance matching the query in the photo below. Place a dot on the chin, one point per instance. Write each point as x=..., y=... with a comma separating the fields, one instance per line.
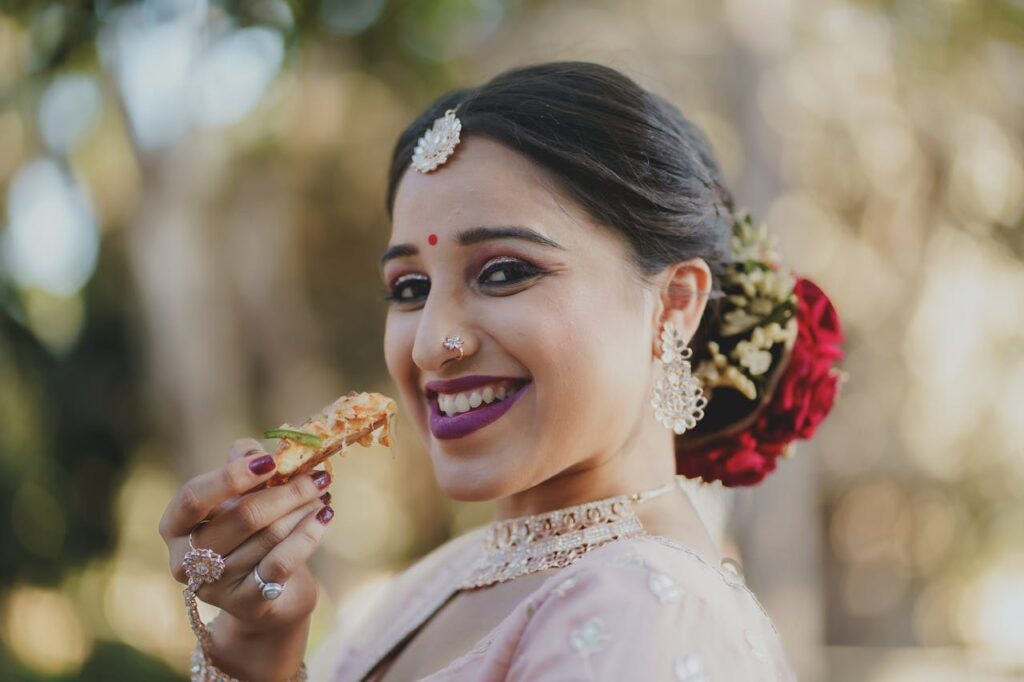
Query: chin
x=470, y=481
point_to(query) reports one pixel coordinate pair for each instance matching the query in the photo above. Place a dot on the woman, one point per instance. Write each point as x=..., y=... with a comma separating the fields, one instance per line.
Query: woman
x=558, y=243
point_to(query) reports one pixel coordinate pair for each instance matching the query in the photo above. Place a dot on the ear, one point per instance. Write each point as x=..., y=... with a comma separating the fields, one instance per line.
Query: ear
x=683, y=294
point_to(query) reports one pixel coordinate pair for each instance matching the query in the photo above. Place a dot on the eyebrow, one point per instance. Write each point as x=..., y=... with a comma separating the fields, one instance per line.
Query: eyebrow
x=475, y=235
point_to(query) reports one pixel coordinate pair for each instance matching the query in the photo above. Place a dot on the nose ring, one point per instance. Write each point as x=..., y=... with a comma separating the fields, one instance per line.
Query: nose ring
x=454, y=343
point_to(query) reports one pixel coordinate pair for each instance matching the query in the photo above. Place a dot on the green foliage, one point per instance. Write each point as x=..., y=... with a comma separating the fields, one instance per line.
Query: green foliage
x=73, y=422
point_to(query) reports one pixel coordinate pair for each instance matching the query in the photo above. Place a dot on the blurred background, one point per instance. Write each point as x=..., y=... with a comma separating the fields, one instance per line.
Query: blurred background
x=191, y=211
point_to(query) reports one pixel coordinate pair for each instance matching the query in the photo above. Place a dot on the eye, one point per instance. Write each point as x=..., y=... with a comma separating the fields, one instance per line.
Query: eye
x=409, y=289
x=505, y=270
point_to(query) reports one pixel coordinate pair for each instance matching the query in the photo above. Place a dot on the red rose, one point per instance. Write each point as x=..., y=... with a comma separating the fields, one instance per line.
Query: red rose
x=801, y=400
x=740, y=460
x=817, y=320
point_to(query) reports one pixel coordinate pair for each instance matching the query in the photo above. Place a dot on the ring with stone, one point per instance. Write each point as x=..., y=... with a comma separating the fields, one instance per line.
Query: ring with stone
x=201, y=565
x=269, y=591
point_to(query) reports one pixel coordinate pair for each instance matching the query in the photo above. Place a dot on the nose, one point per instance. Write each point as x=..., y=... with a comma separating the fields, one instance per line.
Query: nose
x=442, y=329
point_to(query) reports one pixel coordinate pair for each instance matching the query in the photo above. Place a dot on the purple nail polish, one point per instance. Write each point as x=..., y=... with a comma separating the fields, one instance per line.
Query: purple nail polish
x=321, y=479
x=262, y=465
x=325, y=515
x=326, y=498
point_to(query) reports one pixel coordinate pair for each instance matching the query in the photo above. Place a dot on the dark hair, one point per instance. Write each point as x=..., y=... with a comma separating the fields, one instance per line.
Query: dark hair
x=631, y=160
x=629, y=157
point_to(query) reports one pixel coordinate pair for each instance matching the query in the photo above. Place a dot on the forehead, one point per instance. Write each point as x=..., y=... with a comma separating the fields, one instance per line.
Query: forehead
x=482, y=183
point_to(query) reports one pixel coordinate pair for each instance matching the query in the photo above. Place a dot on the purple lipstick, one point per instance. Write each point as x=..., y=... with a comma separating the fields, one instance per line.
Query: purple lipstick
x=445, y=428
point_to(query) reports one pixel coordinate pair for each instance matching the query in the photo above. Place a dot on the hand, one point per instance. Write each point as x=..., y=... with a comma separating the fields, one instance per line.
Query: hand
x=275, y=529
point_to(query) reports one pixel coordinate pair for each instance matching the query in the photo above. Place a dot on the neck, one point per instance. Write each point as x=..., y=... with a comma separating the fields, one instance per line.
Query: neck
x=645, y=461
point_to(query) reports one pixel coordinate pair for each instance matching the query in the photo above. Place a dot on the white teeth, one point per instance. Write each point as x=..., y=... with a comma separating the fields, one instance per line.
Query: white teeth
x=453, y=404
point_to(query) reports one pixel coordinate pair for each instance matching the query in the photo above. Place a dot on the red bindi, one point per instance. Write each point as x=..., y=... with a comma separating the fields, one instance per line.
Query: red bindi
x=432, y=239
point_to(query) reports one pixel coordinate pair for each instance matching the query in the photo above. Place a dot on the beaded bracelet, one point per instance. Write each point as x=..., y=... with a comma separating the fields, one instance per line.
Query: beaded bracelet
x=203, y=669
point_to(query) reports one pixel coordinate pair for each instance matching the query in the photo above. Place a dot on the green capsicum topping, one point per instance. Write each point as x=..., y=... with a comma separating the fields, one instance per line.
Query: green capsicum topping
x=310, y=439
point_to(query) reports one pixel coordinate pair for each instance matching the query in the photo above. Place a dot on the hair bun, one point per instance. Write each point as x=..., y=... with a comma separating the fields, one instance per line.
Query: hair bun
x=769, y=370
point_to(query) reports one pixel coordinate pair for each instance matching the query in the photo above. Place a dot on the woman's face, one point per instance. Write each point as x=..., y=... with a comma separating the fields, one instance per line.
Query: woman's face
x=550, y=312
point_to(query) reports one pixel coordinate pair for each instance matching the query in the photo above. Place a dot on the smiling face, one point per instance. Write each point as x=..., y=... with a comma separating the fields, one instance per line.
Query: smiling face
x=551, y=315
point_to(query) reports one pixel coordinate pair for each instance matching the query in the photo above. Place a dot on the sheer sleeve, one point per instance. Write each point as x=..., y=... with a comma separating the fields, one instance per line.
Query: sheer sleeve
x=631, y=620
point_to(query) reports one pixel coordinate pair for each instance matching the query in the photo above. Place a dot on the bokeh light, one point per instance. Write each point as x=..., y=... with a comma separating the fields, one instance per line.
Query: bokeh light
x=44, y=631
x=51, y=241
x=68, y=111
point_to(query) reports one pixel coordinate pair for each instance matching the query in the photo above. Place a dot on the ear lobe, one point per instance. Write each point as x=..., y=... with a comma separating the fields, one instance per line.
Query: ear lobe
x=684, y=297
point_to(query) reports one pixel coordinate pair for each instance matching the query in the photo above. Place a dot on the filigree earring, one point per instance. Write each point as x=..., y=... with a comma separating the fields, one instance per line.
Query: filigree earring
x=679, y=400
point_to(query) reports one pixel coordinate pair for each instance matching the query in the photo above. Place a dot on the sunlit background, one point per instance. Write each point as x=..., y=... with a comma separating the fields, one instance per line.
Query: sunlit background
x=191, y=208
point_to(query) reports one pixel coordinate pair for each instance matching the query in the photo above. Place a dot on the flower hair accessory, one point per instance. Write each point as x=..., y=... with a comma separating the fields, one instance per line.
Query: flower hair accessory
x=772, y=361
x=438, y=143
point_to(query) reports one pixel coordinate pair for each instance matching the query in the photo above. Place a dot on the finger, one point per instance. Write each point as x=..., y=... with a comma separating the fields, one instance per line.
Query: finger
x=205, y=492
x=245, y=447
x=255, y=511
x=240, y=449
x=294, y=550
x=239, y=563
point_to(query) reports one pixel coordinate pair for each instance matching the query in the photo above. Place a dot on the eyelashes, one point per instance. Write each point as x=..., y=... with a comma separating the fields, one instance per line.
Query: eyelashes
x=497, y=276
x=505, y=270
x=408, y=288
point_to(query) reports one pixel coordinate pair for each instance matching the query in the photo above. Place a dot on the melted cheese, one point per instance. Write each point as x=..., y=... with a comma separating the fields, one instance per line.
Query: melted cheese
x=347, y=416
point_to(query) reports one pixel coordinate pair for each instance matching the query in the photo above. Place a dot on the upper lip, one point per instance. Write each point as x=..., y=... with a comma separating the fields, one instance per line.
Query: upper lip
x=462, y=383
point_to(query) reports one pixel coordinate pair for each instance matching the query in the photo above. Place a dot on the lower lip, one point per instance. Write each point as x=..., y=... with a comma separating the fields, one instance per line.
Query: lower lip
x=446, y=428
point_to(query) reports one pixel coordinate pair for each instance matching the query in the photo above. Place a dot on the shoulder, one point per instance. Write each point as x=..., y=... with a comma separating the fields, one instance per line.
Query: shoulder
x=647, y=608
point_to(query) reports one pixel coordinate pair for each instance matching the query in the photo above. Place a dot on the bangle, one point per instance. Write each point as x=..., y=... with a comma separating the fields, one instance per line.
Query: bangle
x=203, y=669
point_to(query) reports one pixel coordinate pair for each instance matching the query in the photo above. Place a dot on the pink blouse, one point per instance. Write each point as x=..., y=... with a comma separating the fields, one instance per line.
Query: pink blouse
x=644, y=608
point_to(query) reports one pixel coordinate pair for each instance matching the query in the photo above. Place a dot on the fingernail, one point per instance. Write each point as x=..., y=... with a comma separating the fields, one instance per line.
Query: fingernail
x=325, y=515
x=326, y=498
x=262, y=465
x=321, y=479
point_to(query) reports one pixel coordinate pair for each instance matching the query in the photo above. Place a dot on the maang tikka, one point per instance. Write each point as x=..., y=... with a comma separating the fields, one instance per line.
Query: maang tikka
x=679, y=399
x=437, y=144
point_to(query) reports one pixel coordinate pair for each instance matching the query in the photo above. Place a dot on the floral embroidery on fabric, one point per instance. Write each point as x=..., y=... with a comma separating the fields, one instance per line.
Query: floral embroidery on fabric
x=564, y=586
x=690, y=669
x=664, y=587
x=590, y=637
x=733, y=572
x=757, y=645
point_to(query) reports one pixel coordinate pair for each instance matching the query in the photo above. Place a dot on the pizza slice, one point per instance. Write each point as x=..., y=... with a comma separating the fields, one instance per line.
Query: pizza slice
x=356, y=418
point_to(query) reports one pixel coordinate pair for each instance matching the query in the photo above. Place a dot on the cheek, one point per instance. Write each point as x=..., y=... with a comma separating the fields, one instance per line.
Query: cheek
x=398, y=339
x=595, y=351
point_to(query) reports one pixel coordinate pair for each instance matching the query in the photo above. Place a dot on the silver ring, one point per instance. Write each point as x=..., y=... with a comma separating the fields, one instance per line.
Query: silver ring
x=269, y=591
x=201, y=565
